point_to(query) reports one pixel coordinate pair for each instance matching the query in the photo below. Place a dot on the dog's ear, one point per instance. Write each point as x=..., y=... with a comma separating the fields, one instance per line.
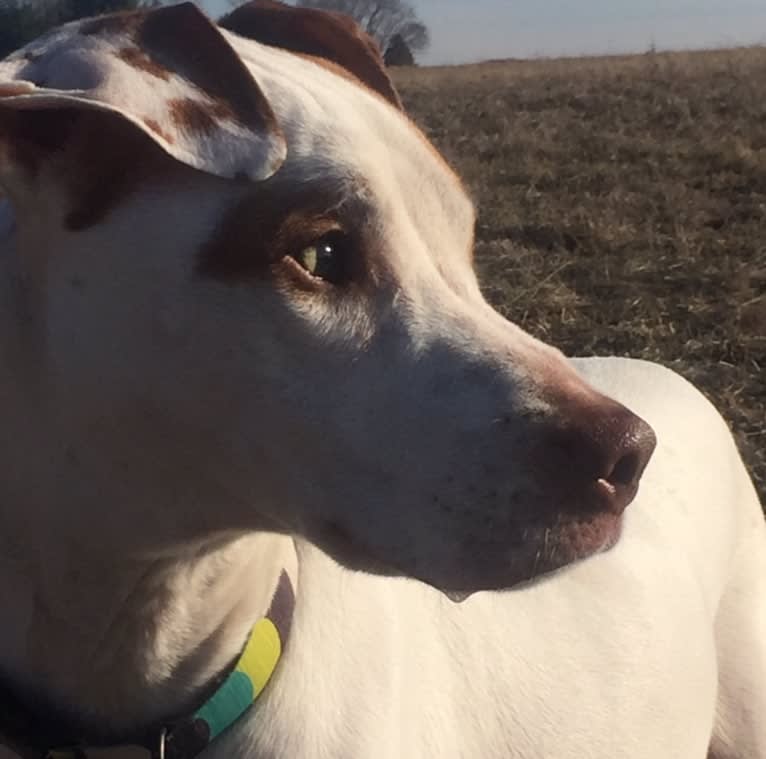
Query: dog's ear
x=94, y=92
x=322, y=34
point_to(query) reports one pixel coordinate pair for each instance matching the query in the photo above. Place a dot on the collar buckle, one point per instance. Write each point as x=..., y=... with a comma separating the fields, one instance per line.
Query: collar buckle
x=160, y=754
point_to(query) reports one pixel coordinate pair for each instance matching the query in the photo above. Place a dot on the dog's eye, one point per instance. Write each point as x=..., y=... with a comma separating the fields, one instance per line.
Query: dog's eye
x=326, y=258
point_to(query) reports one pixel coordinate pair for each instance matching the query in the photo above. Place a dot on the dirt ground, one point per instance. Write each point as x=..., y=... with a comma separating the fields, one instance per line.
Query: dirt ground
x=622, y=208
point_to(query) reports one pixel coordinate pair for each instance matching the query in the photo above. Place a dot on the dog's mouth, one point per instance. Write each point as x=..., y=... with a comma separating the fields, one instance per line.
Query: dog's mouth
x=488, y=565
x=583, y=541
x=544, y=553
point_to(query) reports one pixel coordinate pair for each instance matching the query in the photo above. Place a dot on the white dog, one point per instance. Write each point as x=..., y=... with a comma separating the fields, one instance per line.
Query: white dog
x=245, y=356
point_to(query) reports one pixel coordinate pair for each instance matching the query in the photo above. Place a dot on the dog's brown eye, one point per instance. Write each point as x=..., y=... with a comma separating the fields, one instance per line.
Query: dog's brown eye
x=326, y=258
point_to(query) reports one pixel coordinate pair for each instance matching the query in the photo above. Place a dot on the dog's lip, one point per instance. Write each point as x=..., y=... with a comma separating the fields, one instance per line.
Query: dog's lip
x=613, y=538
x=347, y=549
x=609, y=524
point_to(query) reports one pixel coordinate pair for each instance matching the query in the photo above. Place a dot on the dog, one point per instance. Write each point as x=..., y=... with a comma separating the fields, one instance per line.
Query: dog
x=277, y=482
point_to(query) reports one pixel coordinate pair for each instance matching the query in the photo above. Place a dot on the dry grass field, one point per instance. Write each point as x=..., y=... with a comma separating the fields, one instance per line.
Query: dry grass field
x=622, y=208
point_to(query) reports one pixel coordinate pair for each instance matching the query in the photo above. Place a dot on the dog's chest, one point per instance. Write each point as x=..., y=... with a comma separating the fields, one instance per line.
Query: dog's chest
x=388, y=670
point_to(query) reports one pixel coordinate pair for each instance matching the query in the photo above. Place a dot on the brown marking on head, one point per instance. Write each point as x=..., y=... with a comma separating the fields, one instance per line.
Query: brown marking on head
x=32, y=140
x=48, y=143
x=138, y=59
x=105, y=177
x=192, y=116
x=74, y=150
x=256, y=233
x=270, y=223
x=321, y=34
x=158, y=130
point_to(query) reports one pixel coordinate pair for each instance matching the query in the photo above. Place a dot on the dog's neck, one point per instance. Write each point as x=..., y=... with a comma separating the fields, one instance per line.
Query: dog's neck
x=126, y=634
x=122, y=631
x=126, y=642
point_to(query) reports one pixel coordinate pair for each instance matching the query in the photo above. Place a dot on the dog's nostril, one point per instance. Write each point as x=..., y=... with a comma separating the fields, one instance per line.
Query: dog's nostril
x=626, y=470
x=632, y=443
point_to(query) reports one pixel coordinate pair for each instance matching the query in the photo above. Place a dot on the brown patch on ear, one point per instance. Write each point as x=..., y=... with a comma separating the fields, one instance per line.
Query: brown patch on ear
x=137, y=58
x=165, y=36
x=192, y=116
x=321, y=34
x=161, y=42
x=228, y=129
x=158, y=130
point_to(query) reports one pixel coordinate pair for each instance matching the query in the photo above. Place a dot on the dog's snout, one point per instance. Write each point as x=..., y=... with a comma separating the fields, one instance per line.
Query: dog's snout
x=599, y=455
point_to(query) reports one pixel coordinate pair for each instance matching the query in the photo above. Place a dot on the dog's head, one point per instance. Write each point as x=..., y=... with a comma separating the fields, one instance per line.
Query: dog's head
x=249, y=302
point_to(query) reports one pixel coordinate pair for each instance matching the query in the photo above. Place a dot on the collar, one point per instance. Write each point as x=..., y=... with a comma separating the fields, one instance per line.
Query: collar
x=188, y=736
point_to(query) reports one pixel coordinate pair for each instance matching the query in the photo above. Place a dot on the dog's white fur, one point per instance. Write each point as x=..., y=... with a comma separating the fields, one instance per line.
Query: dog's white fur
x=148, y=503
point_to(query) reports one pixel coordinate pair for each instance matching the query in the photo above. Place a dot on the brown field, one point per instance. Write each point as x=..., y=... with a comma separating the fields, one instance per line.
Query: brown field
x=622, y=208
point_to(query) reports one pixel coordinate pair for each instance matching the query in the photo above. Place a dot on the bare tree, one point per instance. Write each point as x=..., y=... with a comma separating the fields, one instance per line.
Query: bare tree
x=383, y=20
x=398, y=53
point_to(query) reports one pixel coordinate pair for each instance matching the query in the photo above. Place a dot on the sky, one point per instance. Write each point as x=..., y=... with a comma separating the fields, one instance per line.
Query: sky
x=473, y=30
x=484, y=29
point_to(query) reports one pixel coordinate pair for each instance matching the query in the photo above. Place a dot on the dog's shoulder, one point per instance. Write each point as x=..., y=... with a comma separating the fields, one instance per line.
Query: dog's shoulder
x=696, y=501
x=692, y=434
x=646, y=385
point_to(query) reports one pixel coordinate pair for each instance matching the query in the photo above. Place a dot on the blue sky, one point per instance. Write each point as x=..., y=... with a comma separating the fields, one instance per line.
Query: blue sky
x=469, y=30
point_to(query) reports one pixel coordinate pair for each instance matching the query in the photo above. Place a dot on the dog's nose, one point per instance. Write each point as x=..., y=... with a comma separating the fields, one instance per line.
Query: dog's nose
x=600, y=454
